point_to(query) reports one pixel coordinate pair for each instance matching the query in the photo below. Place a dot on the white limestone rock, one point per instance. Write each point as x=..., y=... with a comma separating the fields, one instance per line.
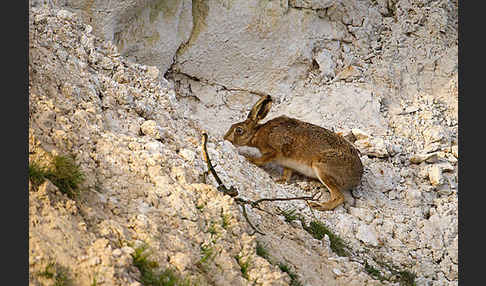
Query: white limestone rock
x=367, y=235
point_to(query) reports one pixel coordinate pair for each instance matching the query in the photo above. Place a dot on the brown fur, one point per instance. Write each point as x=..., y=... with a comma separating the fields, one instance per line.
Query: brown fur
x=303, y=147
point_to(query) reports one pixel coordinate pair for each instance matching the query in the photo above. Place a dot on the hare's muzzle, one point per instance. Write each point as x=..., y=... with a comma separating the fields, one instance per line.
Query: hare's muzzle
x=228, y=136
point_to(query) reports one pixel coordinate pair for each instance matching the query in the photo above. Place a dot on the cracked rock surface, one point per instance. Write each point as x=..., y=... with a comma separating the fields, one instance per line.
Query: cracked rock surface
x=381, y=73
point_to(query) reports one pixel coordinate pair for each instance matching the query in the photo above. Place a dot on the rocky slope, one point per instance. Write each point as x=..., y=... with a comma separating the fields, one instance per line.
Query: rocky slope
x=137, y=137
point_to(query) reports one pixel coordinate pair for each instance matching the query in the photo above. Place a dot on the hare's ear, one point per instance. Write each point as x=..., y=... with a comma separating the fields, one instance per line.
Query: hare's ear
x=260, y=109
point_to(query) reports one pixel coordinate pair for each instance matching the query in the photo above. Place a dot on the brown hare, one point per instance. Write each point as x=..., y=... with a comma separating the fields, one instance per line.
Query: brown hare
x=306, y=148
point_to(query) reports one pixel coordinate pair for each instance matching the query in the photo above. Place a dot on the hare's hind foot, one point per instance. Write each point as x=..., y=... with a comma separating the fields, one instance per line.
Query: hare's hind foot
x=287, y=173
x=329, y=182
x=327, y=206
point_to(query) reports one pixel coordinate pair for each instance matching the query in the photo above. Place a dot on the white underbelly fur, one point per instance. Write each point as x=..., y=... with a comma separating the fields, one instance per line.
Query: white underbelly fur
x=297, y=166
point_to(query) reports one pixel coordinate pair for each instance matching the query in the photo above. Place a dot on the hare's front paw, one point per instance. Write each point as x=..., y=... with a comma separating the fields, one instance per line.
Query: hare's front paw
x=254, y=160
x=250, y=159
x=287, y=173
x=281, y=181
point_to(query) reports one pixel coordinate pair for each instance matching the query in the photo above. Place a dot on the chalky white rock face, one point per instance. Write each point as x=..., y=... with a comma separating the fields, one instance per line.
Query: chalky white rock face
x=119, y=123
x=137, y=138
x=148, y=32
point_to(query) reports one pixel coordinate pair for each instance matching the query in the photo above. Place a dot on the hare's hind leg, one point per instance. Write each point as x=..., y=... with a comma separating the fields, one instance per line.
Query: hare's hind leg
x=329, y=182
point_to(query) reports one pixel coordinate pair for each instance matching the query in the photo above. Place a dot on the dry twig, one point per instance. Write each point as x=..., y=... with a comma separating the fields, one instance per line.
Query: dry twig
x=222, y=188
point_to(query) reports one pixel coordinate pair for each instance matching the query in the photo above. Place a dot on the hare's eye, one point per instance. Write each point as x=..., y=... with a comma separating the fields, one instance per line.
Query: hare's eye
x=239, y=130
